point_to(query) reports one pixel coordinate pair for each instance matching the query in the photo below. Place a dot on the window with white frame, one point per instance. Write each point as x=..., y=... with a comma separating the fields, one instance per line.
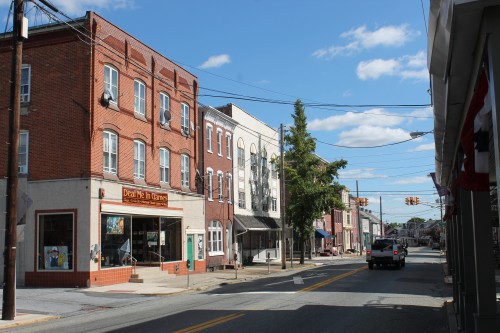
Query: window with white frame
x=111, y=82
x=263, y=163
x=210, y=186
x=215, y=238
x=228, y=146
x=274, y=204
x=110, y=151
x=164, y=107
x=139, y=159
x=220, y=185
x=229, y=185
x=139, y=97
x=241, y=199
x=185, y=170
x=274, y=169
x=241, y=154
x=164, y=165
x=25, y=83
x=185, y=118
x=23, y=152
x=209, y=138
x=219, y=142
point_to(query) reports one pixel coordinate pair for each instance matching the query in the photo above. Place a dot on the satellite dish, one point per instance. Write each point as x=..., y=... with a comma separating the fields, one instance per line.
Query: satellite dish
x=106, y=97
x=167, y=116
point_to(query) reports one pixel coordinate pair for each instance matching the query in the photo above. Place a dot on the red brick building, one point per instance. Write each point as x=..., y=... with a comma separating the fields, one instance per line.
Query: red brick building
x=216, y=165
x=107, y=157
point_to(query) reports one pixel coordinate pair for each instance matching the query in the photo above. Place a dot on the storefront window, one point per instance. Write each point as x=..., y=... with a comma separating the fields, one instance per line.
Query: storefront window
x=115, y=240
x=55, y=239
x=170, y=239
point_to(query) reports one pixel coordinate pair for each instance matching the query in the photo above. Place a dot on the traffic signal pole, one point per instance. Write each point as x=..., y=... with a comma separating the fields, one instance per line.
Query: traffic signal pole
x=9, y=285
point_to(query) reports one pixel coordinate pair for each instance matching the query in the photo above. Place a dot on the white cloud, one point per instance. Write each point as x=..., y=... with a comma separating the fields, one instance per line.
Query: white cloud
x=216, y=61
x=425, y=147
x=370, y=117
x=373, y=69
x=406, y=67
x=413, y=180
x=360, y=38
x=368, y=136
x=363, y=173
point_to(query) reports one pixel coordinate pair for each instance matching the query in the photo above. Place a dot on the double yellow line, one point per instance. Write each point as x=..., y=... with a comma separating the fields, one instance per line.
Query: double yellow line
x=333, y=279
x=211, y=323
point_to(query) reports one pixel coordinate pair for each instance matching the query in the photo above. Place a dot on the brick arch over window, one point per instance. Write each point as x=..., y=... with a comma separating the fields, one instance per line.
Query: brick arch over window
x=112, y=127
x=140, y=136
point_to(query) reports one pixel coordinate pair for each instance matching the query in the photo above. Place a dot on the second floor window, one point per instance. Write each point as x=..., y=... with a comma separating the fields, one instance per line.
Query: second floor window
x=164, y=165
x=111, y=82
x=241, y=157
x=25, y=83
x=164, y=107
x=209, y=138
x=210, y=187
x=220, y=185
x=23, y=153
x=219, y=142
x=185, y=170
x=110, y=151
x=139, y=97
x=185, y=118
x=139, y=159
x=229, y=187
x=228, y=146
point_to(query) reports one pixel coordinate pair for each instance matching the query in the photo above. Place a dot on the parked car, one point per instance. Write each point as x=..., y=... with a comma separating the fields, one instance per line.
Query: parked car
x=436, y=246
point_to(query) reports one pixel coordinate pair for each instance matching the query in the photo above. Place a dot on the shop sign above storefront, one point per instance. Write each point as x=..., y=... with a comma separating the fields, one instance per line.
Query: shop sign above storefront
x=142, y=197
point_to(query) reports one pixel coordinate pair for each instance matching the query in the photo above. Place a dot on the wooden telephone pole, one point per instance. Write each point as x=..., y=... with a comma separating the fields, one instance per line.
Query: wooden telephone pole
x=9, y=284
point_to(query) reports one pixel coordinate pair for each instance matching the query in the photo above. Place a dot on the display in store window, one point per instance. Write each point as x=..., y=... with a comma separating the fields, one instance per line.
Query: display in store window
x=56, y=257
x=115, y=225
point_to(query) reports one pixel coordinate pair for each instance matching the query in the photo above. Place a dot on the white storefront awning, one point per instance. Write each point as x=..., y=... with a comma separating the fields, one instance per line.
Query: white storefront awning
x=135, y=210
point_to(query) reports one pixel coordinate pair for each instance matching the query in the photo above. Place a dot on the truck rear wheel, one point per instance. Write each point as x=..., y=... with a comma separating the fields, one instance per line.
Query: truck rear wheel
x=370, y=265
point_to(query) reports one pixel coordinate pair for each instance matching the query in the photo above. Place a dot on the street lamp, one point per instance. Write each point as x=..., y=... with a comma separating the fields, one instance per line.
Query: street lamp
x=415, y=135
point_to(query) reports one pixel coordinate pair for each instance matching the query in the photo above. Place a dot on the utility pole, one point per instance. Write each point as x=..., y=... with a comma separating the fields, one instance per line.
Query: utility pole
x=282, y=199
x=360, y=234
x=382, y=232
x=9, y=285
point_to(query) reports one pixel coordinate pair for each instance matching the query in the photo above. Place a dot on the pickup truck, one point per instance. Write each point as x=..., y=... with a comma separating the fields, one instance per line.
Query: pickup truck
x=385, y=251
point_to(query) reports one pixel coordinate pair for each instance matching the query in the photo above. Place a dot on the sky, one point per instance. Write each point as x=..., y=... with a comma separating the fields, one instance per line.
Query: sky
x=359, y=67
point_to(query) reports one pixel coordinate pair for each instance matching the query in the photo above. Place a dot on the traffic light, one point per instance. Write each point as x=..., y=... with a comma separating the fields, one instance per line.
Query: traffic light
x=417, y=200
x=407, y=201
x=412, y=201
x=366, y=202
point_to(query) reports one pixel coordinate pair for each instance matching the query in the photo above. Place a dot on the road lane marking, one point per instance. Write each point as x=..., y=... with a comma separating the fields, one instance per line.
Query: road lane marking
x=286, y=281
x=258, y=293
x=211, y=323
x=298, y=280
x=333, y=279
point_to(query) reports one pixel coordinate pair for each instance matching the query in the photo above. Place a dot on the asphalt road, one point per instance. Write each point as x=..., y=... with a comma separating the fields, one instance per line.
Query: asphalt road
x=335, y=297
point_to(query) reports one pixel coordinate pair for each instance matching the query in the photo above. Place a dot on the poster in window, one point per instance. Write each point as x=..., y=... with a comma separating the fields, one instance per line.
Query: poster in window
x=162, y=237
x=200, y=247
x=56, y=257
x=114, y=225
x=152, y=238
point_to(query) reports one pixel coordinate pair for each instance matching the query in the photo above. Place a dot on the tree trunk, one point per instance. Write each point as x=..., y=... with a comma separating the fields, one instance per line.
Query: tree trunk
x=302, y=249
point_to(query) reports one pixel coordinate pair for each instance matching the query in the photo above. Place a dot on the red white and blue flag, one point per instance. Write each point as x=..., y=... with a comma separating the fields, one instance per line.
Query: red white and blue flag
x=474, y=175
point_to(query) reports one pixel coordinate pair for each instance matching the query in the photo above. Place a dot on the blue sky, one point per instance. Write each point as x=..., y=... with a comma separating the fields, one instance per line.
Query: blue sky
x=357, y=58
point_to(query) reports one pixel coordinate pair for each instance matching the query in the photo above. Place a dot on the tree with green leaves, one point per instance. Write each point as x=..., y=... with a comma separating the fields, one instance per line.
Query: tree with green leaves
x=310, y=181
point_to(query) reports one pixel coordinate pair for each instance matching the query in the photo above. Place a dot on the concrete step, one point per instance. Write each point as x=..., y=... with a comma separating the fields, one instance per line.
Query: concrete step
x=150, y=275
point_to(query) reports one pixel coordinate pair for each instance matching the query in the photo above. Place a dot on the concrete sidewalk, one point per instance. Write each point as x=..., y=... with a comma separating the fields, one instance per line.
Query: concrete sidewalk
x=179, y=284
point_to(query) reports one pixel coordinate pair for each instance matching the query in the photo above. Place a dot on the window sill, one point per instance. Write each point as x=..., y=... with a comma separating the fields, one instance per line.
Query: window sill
x=113, y=106
x=213, y=254
x=209, y=199
x=110, y=176
x=165, y=186
x=185, y=189
x=140, y=181
x=139, y=116
x=210, y=151
x=220, y=155
x=165, y=126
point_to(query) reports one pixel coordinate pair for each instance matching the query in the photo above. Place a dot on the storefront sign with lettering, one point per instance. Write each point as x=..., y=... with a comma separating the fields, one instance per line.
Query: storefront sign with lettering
x=137, y=196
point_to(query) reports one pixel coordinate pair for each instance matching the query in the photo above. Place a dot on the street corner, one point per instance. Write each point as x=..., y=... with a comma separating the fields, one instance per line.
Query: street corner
x=22, y=319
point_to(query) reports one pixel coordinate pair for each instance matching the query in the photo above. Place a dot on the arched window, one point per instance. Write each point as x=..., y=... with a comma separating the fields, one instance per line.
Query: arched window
x=110, y=151
x=210, y=184
x=139, y=159
x=241, y=153
x=185, y=170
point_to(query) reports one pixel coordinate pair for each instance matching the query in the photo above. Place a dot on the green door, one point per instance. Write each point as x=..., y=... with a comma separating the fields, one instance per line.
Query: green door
x=190, y=256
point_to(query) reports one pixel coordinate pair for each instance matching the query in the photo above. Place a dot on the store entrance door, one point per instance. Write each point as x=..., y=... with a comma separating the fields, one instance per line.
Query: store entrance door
x=145, y=237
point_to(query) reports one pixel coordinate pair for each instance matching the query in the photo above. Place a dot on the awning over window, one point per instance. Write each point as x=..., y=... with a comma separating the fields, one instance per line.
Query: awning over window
x=245, y=222
x=320, y=233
